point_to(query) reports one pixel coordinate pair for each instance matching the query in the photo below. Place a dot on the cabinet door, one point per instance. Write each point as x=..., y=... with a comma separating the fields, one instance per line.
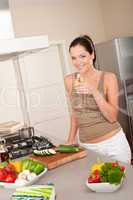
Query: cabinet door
x=9, y=96
x=44, y=85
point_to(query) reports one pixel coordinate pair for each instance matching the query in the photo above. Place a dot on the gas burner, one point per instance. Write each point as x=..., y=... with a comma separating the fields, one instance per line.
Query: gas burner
x=17, y=153
x=19, y=143
x=41, y=142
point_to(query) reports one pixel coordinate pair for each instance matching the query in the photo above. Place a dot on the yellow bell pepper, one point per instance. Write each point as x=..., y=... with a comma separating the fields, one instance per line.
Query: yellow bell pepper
x=96, y=167
x=17, y=165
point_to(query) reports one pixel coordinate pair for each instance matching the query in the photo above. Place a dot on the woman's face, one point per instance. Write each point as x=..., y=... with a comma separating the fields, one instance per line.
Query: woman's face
x=81, y=58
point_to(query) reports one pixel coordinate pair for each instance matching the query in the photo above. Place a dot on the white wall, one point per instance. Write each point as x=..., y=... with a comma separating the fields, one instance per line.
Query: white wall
x=65, y=19
x=60, y=19
x=117, y=17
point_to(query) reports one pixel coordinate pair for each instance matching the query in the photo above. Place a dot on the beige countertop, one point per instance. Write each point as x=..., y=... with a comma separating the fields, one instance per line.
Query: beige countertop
x=70, y=178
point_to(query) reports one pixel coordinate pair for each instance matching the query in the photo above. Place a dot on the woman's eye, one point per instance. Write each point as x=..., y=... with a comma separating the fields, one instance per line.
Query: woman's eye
x=82, y=56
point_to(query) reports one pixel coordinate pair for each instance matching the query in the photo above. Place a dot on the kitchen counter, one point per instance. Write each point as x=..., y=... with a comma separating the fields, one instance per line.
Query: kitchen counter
x=70, y=178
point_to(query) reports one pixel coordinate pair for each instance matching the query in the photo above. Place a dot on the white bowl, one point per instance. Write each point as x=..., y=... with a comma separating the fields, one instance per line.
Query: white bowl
x=103, y=187
x=16, y=185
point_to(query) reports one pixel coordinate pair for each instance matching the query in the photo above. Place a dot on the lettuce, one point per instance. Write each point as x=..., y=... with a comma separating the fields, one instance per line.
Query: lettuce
x=111, y=174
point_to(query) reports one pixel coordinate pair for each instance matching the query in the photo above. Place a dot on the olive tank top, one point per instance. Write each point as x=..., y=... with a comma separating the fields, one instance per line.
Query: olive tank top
x=91, y=122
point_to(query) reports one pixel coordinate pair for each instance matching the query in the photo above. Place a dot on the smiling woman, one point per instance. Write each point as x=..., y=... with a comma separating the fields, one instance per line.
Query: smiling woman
x=94, y=100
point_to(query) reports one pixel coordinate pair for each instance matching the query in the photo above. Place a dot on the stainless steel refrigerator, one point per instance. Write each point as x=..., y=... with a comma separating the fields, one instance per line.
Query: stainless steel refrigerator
x=116, y=56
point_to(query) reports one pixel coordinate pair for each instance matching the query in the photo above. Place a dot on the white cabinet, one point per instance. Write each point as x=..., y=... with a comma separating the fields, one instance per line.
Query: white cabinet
x=45, y=91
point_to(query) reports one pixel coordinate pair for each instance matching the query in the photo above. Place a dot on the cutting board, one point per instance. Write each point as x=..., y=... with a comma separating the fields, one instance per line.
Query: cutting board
x=59, y=158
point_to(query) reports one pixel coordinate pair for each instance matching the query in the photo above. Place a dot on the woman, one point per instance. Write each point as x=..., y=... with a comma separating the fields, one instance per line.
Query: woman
x=94, y=100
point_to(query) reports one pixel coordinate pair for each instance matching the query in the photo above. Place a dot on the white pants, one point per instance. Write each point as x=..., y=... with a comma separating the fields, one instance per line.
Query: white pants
x=116, y=147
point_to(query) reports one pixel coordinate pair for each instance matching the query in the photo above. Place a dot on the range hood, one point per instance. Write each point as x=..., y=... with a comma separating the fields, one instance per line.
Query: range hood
x=15, y=46
x=9, y=44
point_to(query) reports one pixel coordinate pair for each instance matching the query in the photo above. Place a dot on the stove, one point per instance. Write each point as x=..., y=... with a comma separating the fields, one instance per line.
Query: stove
x=23, y=142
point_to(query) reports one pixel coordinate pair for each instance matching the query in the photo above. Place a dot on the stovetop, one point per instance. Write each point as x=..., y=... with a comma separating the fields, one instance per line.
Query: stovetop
x=23, y=143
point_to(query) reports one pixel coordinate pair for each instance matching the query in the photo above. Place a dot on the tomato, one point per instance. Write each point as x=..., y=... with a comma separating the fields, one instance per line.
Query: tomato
x=8, y=169
x=90, y=179
x=122, y=168
x=3, y=174
x=94, y=178
x=96, y=172
x=10, y=179
x=114, y=164
x=97, y=178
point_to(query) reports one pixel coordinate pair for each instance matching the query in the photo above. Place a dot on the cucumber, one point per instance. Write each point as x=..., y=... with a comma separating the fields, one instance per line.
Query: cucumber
x=37, y=152
x=67, y=149
x=52, y=151
x=45, y=152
